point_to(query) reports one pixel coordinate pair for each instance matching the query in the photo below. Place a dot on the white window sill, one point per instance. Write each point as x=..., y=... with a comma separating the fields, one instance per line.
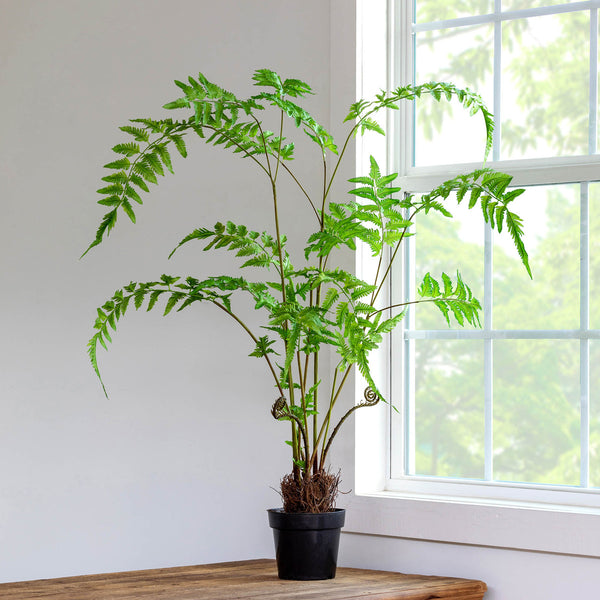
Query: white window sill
x=539, y=527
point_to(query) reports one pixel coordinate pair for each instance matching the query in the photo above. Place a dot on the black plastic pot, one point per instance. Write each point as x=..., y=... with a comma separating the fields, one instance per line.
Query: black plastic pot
x=306, y=544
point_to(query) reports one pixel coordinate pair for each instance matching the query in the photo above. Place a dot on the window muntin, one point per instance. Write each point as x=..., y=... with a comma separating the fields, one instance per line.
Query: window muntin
x=430, y=11
x=502, y=360
x=535, y=65
x=525, y=4
x=594, y=242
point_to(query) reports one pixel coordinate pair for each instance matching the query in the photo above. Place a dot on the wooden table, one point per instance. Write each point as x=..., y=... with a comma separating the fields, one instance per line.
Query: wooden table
x=250, y=579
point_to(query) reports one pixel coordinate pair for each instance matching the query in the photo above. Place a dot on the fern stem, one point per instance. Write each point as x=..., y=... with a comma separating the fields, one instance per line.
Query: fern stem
x=317, y=438
x=339, y=160
x=149, y=147
x=334, y=396
x=295, y=447
x=331, y=405
x=328, y=418
x=381, y=253
x=247, y=154
x=264, y=141
x=305, y=369
x=254, y=338
x=302, y=396
x=391, y=261
x=301, y=188
x=324, y=192
x=279, y=146
x=411, y=302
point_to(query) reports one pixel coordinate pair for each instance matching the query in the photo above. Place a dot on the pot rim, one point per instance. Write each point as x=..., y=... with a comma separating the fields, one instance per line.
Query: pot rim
x=334, y=519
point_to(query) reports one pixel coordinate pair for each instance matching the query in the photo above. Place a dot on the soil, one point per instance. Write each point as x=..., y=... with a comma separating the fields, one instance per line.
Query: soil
x=314, y=493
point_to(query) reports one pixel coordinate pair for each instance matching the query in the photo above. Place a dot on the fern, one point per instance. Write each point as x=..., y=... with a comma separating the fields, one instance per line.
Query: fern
x=455, y=298
x=317, y=305
x=362, y=110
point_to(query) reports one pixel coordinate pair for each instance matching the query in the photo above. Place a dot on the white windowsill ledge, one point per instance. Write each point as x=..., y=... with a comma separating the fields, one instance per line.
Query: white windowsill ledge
x=515, y=525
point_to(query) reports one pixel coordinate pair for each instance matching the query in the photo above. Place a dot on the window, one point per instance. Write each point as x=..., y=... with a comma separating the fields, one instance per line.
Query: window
x=390, y=498
x=511, y=409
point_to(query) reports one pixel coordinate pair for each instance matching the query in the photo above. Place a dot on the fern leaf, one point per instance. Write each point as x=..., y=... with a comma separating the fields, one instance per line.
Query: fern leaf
x=164, y=155
x=92, y=353
x=111, y=201
x=513, y=224
x=119, y=177
x=108, y=222
x=133, y=195
x=179, y=103
x=443, y=309
x=115, y=188
x=153, y=161
x=137, y=180
x=142, y=168
x=126, y=205
x=121, y=163
x=139, y=134
x=154, y=296
x=172, y=301
x=258, y=261
x=127, y=149
x=179, y=144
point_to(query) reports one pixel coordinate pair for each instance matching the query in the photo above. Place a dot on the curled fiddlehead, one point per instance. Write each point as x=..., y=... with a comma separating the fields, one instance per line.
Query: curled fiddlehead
x=279, y=410
x=371, y=399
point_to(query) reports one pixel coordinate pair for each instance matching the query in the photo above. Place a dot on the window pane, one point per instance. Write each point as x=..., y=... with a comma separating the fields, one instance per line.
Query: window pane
x=523, y=4
x=536, y=411
x=449, y=421
x=594, y=242
x=444, y=245
x=545, y=86
x=434, y=10
x=551, y=299
x=444, y=131
x=594, y=413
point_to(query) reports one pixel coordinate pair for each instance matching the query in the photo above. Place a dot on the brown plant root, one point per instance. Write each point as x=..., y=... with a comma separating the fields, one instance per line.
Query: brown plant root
x=313, y=494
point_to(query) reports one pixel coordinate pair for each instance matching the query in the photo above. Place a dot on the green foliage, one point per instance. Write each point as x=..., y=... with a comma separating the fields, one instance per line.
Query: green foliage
x=263, y=347
x=451, y=298
x=362, y=110
x=488, y=189
x=317, y=306
x=262, y=248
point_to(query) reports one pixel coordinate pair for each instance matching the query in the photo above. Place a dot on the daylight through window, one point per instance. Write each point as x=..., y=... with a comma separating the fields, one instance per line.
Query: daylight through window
x=517, y=401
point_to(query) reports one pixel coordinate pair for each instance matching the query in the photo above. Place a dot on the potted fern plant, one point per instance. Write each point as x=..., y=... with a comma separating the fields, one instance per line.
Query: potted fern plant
x=307, y=303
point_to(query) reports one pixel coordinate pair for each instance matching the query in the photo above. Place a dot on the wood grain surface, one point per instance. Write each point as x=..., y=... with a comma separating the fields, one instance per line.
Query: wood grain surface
x=252, y=579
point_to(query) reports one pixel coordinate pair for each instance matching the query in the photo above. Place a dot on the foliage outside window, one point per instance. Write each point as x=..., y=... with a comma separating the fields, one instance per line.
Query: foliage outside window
x=517, y=400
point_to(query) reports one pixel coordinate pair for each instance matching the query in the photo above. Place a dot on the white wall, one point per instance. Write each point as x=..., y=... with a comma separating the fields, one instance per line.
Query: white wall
x=176, y=467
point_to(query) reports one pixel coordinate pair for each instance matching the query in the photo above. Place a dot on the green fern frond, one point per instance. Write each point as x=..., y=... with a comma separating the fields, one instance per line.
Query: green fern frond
x=139, y=134
x=127, y=149
x=514, y=226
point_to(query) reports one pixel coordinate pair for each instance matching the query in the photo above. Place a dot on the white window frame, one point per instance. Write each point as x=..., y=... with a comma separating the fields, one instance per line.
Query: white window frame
x=543, y=518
